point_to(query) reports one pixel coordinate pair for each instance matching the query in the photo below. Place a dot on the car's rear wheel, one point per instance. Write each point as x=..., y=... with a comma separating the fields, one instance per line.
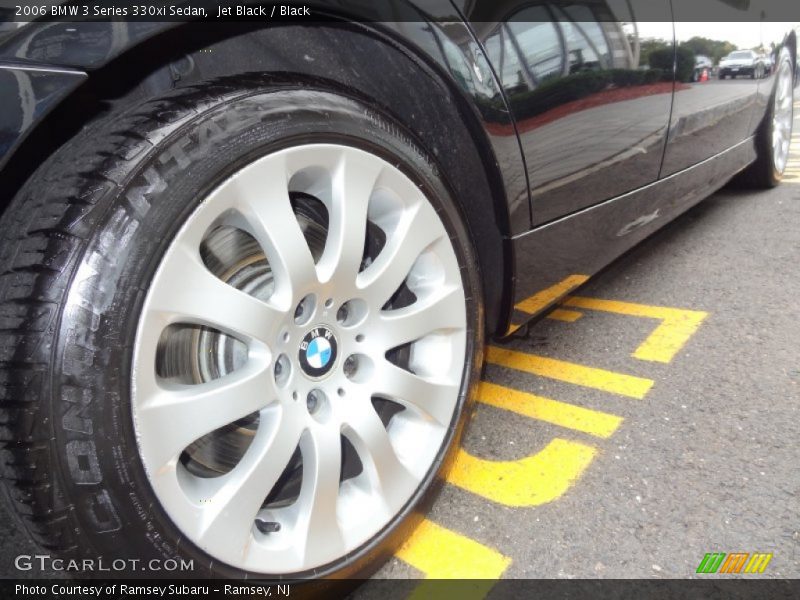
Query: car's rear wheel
x=264, y=328
x=774, y=135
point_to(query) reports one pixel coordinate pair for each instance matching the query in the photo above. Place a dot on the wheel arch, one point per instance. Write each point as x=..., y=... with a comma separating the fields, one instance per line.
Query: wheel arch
x=367, y=61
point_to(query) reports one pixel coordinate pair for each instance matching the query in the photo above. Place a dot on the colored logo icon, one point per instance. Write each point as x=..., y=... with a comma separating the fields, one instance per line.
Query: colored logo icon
x=318, y=351
x=734, y=563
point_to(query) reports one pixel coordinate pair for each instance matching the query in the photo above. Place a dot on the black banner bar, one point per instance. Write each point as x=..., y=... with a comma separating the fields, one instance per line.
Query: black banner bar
x=19, y=11
x=506, y=589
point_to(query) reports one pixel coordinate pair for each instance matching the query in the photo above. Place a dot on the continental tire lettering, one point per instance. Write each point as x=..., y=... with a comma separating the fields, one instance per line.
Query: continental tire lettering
x=210, y=130
x=122, y=227
x=138, y=197
x=176, y=152
x=94, y=286
x=76, y=355
x=76, y=417
x=82, y=461
x=89, y=278
x=102, y=513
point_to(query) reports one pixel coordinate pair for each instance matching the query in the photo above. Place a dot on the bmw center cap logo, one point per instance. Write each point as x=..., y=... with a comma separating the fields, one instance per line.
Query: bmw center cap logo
x=318, y=351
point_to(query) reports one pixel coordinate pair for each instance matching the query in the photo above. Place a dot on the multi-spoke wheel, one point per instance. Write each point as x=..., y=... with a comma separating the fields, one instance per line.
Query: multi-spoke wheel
x=299, y=358
x=267, y=333
x=775, y=133
x=783, y=102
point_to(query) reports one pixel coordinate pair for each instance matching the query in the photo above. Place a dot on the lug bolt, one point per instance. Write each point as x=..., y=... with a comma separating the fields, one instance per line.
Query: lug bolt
x=352, y=312
x=267, y=526
x=305, y=309
x=314, y=401
x=350, y=366
x=282, y=370
x=342, y=313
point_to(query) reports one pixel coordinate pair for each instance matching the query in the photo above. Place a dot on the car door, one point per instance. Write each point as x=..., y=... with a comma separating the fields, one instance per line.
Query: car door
x=591, y=113
x=718, y=111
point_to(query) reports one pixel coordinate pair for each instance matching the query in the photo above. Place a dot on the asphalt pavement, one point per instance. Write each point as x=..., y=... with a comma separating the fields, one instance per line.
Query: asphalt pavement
x=686, y=352
x=654, y=420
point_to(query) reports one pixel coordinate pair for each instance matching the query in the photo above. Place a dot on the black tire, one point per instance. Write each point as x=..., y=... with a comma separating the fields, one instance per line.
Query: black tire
x=762, y=173
x=80, y=243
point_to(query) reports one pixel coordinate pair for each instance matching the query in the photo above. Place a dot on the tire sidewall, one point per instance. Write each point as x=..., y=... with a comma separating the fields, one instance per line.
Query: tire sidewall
x=170, y=167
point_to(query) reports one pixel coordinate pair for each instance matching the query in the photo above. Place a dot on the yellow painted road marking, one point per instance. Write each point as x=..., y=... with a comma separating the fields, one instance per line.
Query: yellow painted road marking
x=677, y=325
x=552, y=411
x=546, y=297
x=531, y=481
x=600, y=379
x=541, y=300
x=444, y=554
x=560, y=314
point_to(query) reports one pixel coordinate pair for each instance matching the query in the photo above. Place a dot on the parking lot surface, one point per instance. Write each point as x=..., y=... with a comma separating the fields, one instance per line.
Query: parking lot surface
x=650, y=420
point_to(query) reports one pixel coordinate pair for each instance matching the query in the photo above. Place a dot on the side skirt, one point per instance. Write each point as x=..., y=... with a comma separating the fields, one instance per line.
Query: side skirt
x=557, y=257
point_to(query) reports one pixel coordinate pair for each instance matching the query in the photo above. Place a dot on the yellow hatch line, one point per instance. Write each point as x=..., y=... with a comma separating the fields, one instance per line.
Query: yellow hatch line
x=568, y=316
x=676, y=327
x=542, y=299
x=531, y=481
x=548, y=296
x=552, y=411
x=443, y=554
x=600, y=379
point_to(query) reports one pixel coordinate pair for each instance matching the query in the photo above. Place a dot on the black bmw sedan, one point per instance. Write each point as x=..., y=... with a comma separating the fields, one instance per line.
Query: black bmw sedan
x=248, y=266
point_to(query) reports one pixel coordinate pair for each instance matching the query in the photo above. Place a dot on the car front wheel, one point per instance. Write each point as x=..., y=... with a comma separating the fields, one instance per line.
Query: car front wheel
x=244, y=327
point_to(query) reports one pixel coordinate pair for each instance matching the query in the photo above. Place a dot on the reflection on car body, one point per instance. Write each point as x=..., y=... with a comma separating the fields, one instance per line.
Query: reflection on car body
x=742, y=62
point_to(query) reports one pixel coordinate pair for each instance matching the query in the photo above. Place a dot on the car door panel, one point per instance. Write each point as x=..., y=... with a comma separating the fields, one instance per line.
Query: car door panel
x=554, y=259
x=711, y=115
x=592, y=118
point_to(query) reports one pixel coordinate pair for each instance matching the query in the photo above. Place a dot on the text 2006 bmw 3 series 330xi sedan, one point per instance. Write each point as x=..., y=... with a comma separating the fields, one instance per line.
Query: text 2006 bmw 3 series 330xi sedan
x=248, y=267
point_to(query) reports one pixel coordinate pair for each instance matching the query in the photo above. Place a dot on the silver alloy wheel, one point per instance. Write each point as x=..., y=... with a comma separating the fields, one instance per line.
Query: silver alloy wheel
x=782, y=116
x=277, y=404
